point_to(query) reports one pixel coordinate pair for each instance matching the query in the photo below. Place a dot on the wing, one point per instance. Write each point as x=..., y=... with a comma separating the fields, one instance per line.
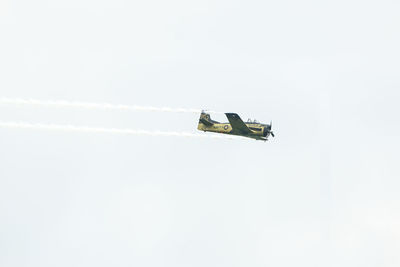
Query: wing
x=237, y=124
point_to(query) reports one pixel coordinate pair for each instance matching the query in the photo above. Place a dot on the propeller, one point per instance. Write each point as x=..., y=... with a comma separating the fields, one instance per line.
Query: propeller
x=270, y=129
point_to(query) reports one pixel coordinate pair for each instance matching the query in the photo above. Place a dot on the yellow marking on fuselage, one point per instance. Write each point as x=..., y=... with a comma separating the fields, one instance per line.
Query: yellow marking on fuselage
x=217, y=128
x=226, y=128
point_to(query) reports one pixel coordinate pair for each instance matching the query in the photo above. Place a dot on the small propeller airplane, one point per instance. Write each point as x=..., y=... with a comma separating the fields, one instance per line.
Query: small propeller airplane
x=250, y=129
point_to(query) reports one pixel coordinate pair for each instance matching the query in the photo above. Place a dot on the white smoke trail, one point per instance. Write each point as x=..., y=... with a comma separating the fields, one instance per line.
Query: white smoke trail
x=59, y=127
x=89, y=105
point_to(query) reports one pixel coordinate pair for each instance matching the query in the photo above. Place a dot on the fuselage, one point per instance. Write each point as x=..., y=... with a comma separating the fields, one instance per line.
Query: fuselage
x=258, y=131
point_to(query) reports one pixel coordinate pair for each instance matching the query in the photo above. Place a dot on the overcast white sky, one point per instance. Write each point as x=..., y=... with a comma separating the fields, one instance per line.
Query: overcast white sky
x=324, y=192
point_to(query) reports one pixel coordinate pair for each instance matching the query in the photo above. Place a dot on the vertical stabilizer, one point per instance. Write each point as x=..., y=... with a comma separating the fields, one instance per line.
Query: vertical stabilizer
x=205, y=121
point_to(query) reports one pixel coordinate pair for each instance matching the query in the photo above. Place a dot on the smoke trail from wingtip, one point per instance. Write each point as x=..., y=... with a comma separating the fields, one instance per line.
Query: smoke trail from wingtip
x=90, y=105
x=72, y=128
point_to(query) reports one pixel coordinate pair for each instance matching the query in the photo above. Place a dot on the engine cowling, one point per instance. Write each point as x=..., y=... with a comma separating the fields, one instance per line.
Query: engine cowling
x=266, y=131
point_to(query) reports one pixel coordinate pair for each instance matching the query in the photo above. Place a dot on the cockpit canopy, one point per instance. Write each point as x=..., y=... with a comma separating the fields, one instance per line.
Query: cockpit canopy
x=250, y=121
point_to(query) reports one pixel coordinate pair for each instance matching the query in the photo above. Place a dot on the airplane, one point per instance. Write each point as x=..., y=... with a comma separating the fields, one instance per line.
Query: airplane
x=235, y=126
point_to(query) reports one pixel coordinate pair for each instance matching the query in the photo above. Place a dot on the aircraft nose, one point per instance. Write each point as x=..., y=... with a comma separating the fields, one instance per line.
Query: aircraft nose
x=268, y=130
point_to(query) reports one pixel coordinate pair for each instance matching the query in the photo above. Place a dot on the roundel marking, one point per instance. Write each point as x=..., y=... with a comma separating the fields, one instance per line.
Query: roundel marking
x=226, y=127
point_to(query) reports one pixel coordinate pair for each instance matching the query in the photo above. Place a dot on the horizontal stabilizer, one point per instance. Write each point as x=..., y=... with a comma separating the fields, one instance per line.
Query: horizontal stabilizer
x=206, y=119
x=206, y=122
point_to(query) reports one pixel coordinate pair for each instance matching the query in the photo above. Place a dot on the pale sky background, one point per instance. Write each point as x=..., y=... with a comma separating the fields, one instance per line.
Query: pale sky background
x=324, y=192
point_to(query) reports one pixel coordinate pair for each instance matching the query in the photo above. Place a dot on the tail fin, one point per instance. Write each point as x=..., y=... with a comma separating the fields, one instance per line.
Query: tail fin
x=206, y=119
